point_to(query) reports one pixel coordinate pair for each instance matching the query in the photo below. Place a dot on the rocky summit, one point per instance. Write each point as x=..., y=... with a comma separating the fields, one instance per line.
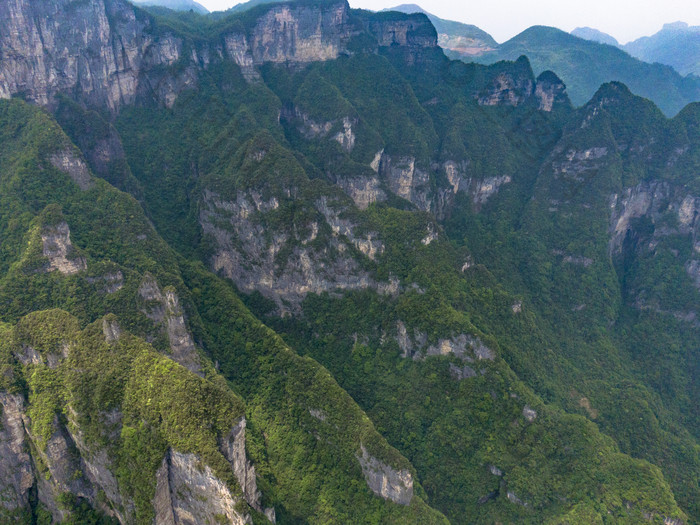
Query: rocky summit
x=292, y=264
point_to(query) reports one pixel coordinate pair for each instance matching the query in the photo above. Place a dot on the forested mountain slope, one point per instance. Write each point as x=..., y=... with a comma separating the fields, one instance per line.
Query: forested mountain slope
x=295, y=265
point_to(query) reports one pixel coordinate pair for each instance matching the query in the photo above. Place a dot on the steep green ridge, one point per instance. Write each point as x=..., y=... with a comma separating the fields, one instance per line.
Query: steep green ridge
x=163, y=405
x=473, y=294
x=584, y=65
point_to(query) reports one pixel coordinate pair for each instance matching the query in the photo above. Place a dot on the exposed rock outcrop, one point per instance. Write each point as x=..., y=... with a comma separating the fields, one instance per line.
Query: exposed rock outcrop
x=390, y=484
x=653, y=199
x=65, y=471
x=462, y=346
x=550, y=91
x=515, y=85
x=363, y=190
x=233, y=449
x=165, y=311
x=111, y=330
x=70, y=163
x=98, y=468
x=507, y=90
x=412, y=35
x=513, y=498
x=300, y=34
x=248, y=254
x=467, y=348
x=58, y=249
x=463, y=372
x=16, y=471
x=462, y=179
x=407, y=180
x=99, y=50
x=109, y=282
x=369, y=243
x=188, y=493
x=575, y=163
x=529, y=413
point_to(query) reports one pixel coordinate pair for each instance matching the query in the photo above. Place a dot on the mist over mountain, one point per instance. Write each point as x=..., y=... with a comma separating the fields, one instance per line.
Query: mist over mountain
x=677, y=45
x=588, y=33
x=176, y=5
x=294, y=264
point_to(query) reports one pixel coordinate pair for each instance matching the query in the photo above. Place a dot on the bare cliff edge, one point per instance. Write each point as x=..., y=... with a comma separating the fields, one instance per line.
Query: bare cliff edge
x=109, y=53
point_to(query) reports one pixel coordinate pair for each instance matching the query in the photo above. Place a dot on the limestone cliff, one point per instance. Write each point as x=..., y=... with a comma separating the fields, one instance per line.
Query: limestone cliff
x=109, y=53
x=102, y=51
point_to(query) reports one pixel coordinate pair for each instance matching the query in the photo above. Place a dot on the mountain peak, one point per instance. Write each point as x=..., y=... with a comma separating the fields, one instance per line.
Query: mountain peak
x=675, y=26
x=175, y=5
x=407, y=8
x=590, y=33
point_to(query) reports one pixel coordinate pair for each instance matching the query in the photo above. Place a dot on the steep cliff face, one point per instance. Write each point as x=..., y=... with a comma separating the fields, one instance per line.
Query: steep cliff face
x=16, y=470
x=385, y=481
x=407, y=180
x=394, y=29
x=188, y=492
x=101, y=51
x=251, y=255
x=163, y=308
x=301, y=34
x=326, y=205
x=107, y=53
x=59, y=251
x=550, y=92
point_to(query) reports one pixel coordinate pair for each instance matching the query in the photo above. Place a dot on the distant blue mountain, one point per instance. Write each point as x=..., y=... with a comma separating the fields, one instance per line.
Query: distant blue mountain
x=175, y=5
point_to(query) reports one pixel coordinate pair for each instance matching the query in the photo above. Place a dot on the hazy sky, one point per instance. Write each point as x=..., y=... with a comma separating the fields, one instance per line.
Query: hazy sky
x=624, y=19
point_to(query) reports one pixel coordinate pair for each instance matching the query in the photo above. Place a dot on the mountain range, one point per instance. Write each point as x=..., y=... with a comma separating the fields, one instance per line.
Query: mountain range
x=676, y=45
x=295, y=265
x=177, y=5
x=549, y=48
x=588, y=49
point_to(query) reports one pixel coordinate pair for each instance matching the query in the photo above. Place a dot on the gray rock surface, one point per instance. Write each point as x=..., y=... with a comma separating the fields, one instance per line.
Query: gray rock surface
x=65, y=471
x=507, y=89
x=390, y=484
x=70, y=163
x=188, y=493
x=233, y=449
x=248, y=253
x=58, y=249
x=163, y=308
x=99, y=50
x=16, y=471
